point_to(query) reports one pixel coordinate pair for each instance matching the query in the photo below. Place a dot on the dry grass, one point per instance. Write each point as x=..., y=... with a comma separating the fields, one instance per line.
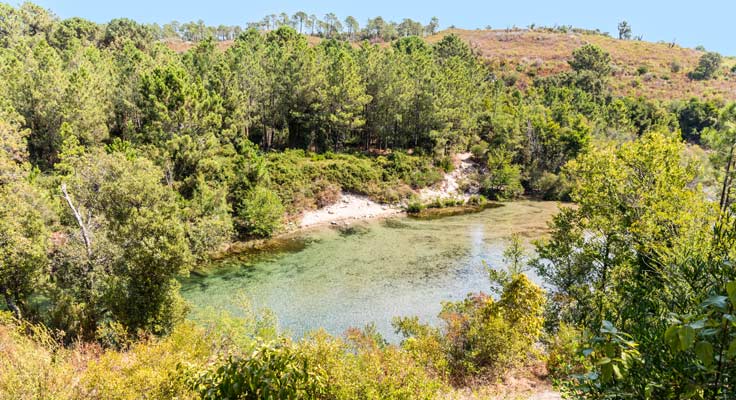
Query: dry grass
x=527, y=383
x=544, y=53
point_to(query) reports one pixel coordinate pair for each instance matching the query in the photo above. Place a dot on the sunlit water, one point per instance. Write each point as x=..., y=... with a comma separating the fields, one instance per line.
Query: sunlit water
x=378, y=270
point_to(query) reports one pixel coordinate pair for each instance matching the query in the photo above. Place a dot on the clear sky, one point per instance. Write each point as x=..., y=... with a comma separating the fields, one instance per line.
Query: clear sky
x=690, y=23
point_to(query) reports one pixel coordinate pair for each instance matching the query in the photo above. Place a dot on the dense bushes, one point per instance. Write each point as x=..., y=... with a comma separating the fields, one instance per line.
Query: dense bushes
x=261, y=212
x=482, y=336
x=642, y=290
x=304, y=180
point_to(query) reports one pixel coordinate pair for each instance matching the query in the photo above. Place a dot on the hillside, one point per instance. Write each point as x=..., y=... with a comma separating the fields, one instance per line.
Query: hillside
x=544, y=53
x=640, y=68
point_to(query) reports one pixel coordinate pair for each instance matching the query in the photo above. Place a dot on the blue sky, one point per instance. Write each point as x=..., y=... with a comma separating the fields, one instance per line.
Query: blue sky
x=689, y=23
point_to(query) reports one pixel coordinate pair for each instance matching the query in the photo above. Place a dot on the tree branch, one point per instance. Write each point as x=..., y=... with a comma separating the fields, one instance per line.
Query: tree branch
x=78, y=217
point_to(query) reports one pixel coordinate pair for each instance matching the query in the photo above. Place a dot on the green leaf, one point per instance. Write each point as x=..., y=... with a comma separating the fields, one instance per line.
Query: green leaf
x=617, y=372
x=603, y=361
x=671, y=337
x=731, y=290
x=606, y=372
x=732, y=349
x=717, y=301
x=687, y=337
x=704, y=351
x=608, y=328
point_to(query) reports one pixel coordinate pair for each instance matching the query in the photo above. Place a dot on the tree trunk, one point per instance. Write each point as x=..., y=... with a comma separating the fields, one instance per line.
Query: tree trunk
x=726, y=180
x=78, y=217
x=11, y=303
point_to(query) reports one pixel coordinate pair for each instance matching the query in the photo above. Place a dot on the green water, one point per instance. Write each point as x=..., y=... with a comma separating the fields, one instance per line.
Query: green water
x=372, y=272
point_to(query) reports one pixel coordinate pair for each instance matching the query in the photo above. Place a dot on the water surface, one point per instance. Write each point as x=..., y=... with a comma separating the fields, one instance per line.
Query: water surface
x=336, y=279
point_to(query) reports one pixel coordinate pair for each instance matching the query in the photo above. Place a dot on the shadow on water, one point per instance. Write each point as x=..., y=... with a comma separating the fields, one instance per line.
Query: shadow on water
x=352, y=230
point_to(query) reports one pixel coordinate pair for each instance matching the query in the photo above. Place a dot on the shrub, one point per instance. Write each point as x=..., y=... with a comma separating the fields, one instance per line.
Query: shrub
x=414, y=207
x=149, y=369
x=446, y=164
x=642, y=69
x=708, y=65
x=31, y=362
x=273, y=371
x=552, y=187
x=260, y=213
x=481, y=336
x=477, y=200
x=565, y=353
x=675, y=66
x=479, y=150
x=366, y=368
x=327, y=193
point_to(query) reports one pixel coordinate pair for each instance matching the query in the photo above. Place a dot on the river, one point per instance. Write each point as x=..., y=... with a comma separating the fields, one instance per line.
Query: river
x=336, y=279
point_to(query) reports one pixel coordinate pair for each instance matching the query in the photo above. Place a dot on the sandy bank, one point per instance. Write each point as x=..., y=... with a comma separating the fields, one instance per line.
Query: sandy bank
x=349, y=207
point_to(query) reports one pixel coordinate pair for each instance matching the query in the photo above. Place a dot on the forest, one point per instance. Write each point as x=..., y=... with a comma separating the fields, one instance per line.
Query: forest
x=126, y=165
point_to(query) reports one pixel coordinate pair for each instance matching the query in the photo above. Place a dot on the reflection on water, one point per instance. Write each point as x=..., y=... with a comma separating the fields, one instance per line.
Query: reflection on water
x=372, y=271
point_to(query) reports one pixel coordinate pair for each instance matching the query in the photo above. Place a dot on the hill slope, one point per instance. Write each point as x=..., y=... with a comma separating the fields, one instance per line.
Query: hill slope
x=641, y=68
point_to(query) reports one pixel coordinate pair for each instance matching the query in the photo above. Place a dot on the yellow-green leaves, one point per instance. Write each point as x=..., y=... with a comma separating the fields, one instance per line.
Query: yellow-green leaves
x=704, y=352
x=731, y=290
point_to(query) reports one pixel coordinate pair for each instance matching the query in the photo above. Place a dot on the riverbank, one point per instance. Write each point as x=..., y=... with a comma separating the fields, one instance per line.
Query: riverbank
x=352, y=207
x=349, y=207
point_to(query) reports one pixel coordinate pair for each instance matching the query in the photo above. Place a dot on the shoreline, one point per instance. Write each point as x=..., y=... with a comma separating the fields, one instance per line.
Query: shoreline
x=350, y=207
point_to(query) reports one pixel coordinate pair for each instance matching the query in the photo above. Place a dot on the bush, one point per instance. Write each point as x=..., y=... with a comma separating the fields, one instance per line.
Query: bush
x=552, y=187
x=31, y=365
x=708, y=65
x=414, y=207
x=260, y=213
x=642, y=69
x=675, y=66
x=481, y=336
x=565, y=353
x=477, y=200
x=446, y=164
x=479, y=150
x=327, y=193
x=366, y=368
x=274, y=371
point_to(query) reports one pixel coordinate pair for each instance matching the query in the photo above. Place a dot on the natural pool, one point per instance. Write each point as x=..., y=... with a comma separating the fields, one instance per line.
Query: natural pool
x=336, y=279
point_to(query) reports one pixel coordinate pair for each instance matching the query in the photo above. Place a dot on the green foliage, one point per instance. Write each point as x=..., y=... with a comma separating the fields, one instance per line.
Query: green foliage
x=565, y=353
x=708, y=66
x=270, y=372
x=481, y=336
x=504, y=179
x=24, y=244
x=260, y=212
x=696, y=116
x=591, y=58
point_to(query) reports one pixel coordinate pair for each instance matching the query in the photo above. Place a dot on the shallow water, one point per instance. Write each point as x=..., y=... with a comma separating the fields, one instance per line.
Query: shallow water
x=372, y=272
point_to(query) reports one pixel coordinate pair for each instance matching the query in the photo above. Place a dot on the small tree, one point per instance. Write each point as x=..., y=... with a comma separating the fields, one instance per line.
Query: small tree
x=591, y=58
x=707, y=67
x=352, y=25
x=624, y=30
x=260, y=213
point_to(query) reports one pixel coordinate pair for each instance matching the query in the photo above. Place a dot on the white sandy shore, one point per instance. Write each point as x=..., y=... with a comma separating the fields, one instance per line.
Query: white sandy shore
x=349, y=207
x=355, y=207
